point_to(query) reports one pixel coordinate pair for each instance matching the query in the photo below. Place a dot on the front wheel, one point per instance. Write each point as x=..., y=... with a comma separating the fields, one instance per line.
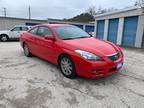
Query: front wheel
x=67, y=67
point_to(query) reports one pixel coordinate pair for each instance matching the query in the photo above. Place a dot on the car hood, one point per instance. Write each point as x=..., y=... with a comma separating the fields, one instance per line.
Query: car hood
x=93, y=45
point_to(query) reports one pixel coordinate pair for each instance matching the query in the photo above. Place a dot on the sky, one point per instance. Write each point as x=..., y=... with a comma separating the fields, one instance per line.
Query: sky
x=59, y=9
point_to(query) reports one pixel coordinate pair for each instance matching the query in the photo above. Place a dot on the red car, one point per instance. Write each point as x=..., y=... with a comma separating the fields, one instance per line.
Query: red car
x=74, y=50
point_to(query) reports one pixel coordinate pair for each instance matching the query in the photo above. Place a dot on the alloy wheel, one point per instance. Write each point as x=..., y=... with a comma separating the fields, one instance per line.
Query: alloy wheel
x=26, y=50
x=66, y=66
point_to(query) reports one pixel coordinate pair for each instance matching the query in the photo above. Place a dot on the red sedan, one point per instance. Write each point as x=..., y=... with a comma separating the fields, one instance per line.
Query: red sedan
x=74, y=50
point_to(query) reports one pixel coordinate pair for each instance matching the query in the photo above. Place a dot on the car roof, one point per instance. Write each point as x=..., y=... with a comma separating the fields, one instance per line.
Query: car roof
x=54, y=25
x=21, y=26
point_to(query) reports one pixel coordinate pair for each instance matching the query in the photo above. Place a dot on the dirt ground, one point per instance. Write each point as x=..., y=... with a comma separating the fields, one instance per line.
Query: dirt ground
x=35, y=83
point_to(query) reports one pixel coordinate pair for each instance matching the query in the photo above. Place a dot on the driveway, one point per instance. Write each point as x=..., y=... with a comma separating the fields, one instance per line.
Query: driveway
x=35, y=83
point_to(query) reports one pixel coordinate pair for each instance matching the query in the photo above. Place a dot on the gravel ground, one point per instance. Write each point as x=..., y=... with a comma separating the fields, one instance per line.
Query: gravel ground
x=35, y=83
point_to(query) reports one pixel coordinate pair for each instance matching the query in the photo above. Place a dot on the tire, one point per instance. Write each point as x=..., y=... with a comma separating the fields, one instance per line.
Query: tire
x=4, y=38
x=26, y=50
x=67, y=67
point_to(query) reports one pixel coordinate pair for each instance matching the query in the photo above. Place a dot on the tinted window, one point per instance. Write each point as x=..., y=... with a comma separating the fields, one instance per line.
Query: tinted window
x=16, y=29
x=24, y=28
x=34, y=30
x=42, y=31
x=71, y=32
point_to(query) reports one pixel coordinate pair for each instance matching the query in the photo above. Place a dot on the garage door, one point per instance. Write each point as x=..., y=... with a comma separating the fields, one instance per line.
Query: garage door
x=100, y=29
x=143, y=40
x=31, y=24
x=89, y=28
x=113, y=30
x=80, y=26
x=130, y=28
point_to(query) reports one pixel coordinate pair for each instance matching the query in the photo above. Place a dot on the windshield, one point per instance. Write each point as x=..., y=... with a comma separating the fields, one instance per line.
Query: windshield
x=71, y=32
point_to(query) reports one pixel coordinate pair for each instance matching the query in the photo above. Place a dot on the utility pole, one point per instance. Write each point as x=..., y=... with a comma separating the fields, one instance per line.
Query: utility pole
x=4, y=12
x=29, y=12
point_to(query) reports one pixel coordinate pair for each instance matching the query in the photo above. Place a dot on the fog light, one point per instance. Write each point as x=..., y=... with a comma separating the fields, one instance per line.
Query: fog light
x=97, y=71
x=94, y=71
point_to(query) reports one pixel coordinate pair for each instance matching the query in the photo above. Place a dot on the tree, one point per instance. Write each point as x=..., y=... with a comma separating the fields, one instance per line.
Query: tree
x=89, y=14
x=139, y=3
x=105, y=10
x=91, y=10
x=84, y=17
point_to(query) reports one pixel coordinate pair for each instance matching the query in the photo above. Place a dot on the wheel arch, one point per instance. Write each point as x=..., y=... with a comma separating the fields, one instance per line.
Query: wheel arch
x=23, y=43
x=62, y=54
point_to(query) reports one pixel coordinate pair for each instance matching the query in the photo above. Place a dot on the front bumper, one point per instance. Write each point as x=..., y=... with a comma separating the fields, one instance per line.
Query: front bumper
x=90, y=69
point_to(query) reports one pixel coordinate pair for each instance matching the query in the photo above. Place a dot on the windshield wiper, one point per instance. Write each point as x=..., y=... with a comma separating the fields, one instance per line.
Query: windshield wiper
x=74, y=38
x=68, y=38
x=83, y=37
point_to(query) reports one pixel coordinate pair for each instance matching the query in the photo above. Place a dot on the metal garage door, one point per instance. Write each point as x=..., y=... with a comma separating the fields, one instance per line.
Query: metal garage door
x=89, y=28
x=113, y=30
x=130, y=28
x=143, y=40
x=80, y=26
x=100, y=29
x=31, y=24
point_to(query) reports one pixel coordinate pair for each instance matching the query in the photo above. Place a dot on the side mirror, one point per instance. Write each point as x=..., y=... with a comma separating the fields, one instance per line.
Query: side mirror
x=49, y=37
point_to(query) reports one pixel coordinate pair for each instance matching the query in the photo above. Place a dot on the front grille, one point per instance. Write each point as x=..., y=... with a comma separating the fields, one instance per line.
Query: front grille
x=114, y=57
x=112, y=69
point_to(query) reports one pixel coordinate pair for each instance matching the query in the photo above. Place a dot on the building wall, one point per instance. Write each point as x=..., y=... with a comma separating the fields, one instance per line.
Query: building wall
x=121, y=14
x=8, y=23
x=120, y=34
x=140, y=31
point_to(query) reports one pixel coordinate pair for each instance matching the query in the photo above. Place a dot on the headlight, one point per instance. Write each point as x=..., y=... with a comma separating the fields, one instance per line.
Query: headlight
x=88, y=55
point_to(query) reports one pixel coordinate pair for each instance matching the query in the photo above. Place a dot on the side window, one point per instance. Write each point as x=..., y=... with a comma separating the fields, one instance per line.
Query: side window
x=34, y=30
x=42, y=31
x=24, y=28
x=16, y=29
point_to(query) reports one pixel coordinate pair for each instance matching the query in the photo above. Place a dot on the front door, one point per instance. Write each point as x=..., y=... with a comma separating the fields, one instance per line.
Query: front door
x=44, y=47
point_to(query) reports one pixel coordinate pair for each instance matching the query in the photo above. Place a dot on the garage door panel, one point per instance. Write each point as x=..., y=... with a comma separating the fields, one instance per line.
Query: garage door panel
x=129, y=33
x=89, y=28
x=100, y=29
x=113, y=30
x=143, y=41
x=80, y=26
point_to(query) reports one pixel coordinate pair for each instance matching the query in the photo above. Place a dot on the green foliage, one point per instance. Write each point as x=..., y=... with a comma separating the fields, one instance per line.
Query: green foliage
x=84, y=17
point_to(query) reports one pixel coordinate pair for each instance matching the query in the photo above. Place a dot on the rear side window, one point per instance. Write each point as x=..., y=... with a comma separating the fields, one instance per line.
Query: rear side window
x=16, y=29
x=24, y=28
x=34, y=30
x=42, y=31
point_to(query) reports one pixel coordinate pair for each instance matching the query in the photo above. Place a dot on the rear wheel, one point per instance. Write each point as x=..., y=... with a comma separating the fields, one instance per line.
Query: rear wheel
x=4, y=38
x=67, y=67
x=26, y=50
